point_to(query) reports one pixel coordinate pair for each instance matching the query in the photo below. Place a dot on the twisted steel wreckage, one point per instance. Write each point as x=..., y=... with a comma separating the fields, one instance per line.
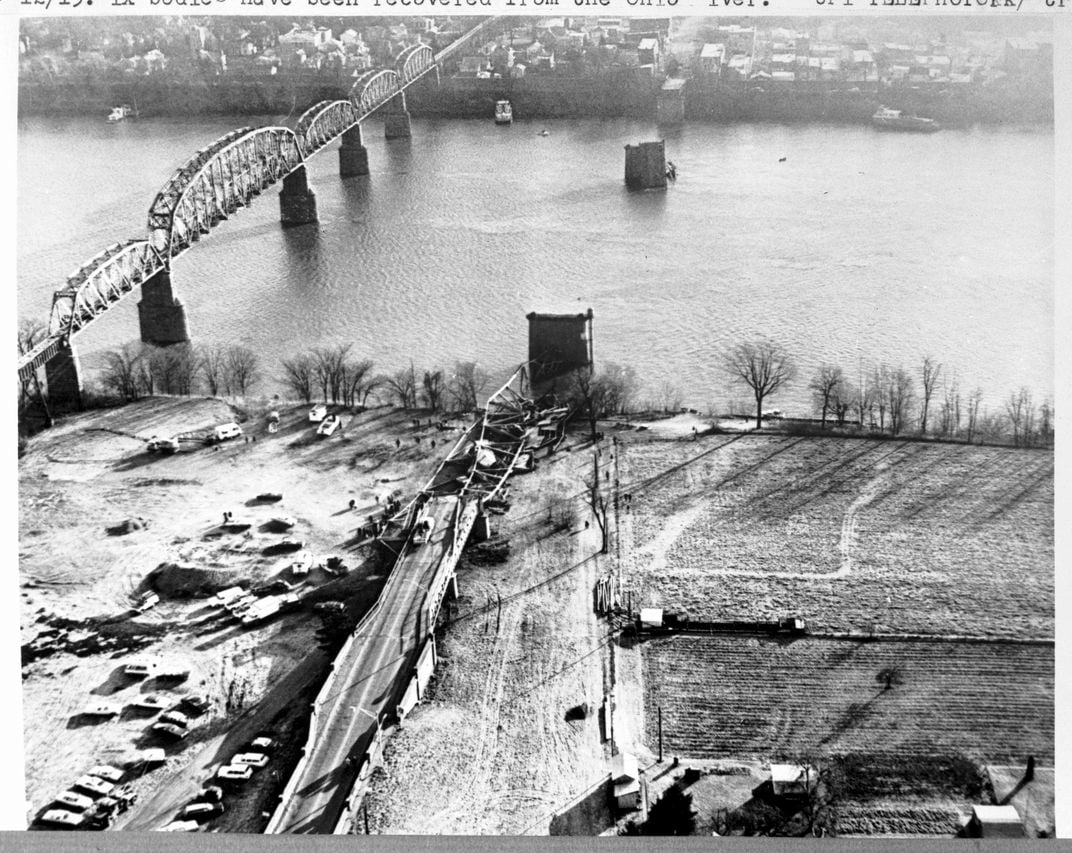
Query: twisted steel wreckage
x=383, y=667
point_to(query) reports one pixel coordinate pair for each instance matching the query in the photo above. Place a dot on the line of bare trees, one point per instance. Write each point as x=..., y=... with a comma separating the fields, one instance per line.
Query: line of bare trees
x=138, y=370
x=927, y=401
x=333, y=374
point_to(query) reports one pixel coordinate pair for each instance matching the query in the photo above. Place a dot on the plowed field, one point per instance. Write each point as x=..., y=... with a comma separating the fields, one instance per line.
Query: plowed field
x=899, y=537
x=734, y=697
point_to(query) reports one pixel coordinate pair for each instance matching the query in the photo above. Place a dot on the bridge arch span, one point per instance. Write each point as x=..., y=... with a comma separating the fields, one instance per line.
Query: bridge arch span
x=373, y=89
x=100, y=283
x=216, y=182
x=413, y=62
x=323, y=122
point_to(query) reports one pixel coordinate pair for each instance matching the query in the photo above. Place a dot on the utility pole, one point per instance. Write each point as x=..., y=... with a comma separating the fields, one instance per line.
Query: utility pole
x=660, y=734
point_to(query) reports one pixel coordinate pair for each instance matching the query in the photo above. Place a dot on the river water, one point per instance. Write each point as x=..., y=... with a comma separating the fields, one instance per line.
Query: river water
x=858, y=247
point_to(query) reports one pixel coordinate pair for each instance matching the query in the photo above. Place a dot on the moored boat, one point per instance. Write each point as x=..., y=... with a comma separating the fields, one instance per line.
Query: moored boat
x=124, y=111
x=504, y=113
x=887, y=119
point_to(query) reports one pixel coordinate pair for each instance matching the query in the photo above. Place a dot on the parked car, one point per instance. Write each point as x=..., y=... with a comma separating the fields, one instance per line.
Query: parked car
x=317, y=413
x=251, y=759
x=197, y=703
x=284, y=546
x=235, y=773
x=152, y=702
x=263, y=744
x=108, y=773
x=74, y=801
x=329, y=425
x=201, y=811
x=170, y=730
x=176, y=717
x=226, y=431
x=62, y=817
x=96, y=787
x=139, y=670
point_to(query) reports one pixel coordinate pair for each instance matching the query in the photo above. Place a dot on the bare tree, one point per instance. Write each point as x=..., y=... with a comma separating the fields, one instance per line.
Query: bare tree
x=329, y=365
x=842, y=399
x=825, y=389
x=585, y=395
x=298, y=374
x=899, y=395
x=949, y=418
x=30, y=333
x=123, y=371
x=212, y=361
x=174, y=368
x=761, y=365
x=1020, y=411
x=669, y=396
x=619, y=388
x=880, y=387
x=929, y=373
x=467, y=383
x=242, y=371
x=1045, y=426
x=974, y=400
x=433, y=389
x=402, y=385
x=863, y=401
x=359, y=382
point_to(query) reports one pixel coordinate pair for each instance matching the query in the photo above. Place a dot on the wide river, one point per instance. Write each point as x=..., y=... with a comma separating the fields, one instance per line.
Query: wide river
x=843, y=244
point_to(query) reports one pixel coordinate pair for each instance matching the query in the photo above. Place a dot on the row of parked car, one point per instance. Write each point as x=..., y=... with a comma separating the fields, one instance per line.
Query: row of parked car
x=93, y=801
x=208, y=804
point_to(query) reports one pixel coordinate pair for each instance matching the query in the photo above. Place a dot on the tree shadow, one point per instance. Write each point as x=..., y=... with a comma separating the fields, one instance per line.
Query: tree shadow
x=115, y=682
x=82, y=721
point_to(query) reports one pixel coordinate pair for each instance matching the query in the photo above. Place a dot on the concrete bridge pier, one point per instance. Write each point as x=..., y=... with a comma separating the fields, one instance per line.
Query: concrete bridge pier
x=297, y=201
x=645, y=166
x=353, y=155
x=396, y=119
x=161, y=315
x=63, y=376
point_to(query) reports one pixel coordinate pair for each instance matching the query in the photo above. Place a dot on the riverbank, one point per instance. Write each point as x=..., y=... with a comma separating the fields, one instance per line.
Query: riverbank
x=103, y=522
x=620, y=94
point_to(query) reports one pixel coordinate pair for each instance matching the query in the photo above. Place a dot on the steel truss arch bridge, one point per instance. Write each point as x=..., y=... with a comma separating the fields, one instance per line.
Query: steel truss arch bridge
x=215, y=183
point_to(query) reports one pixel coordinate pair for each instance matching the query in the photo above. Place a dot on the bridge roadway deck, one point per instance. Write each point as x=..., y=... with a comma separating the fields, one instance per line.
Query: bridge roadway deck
x=367, y=684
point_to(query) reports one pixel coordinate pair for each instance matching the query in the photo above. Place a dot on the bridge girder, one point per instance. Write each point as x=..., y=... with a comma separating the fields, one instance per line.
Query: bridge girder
x=216, y=182
x=322, y=123
x=413, y=62
x=373, y=89
x=101, y=282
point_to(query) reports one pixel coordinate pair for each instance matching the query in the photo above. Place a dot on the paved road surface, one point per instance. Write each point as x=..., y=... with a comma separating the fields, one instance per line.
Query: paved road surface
x=367, y=685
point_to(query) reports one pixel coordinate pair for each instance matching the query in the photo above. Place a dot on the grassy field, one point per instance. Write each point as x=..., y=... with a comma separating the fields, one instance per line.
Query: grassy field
x=735, y=697
x=902, y=537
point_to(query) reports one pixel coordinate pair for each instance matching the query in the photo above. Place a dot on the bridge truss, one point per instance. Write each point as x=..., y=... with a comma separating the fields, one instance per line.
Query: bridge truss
x=215, y=183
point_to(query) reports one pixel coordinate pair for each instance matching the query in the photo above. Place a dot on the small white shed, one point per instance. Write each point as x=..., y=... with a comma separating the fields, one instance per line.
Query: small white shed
x=996, y=822
x=793, y=780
